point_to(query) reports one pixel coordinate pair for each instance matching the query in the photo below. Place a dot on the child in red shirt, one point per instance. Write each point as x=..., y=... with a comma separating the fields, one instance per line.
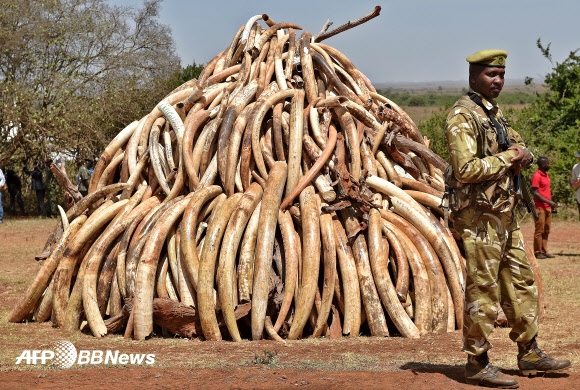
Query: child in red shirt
x=544, y=207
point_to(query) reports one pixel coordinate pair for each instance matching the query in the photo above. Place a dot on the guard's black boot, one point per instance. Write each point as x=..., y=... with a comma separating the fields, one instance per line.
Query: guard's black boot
x=531, y=360
x=480, y=372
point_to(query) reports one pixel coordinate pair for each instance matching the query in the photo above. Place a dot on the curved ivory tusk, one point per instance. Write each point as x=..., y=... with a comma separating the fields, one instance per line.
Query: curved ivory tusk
x=352, y=139
x=63, y=217
x=305, y=52
x=188, y=230
x=435, y=236
x=428, y=200
x=423, y=317
x=390, y=189
x=370, y=297
x=265, y=245
x=265, y=36
x=136, y=175
x=310, y=216
x=92, y=198
x=348, y=272
x=256, y=123
x=367, y=159
x=271, y=332
x=380, y=134
x=385, y=288
x=309, y=176
x=68, y=306
x=109, y=172
x=151, y=204
x=155, y=157
x=207, y=268
x=439, y=304
x=295, y=141
x=132, y=146
x=139, y=240
x=145, y=279
x=173, y=117
x=233, y=149
x=246, y=257
x=249, y=24
x=402, y=284
x=231, y=240
x=109, y=152
x=420, y=186
x=96, y=256
x=237, y=106
x=291, y=251
x=330, y=272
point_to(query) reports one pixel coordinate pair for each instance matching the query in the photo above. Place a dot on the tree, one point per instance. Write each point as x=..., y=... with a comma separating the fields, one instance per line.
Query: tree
x=550, y=125
x=75, y=72
x=185, y=74
x=434, y=129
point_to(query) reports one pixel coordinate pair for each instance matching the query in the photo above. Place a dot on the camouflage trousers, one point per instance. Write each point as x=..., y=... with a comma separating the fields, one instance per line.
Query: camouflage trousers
x=498, y=273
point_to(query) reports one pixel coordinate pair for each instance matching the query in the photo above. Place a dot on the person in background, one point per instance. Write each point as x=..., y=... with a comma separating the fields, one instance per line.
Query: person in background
x=486, y=153
x=37, y=185
x=90, y=166
x=2, y=188
x=575, y=181
x=15, y=190
x=544, y=207
x=83, y=177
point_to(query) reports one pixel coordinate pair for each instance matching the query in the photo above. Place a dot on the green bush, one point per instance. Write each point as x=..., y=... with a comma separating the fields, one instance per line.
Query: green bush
x=550, y=125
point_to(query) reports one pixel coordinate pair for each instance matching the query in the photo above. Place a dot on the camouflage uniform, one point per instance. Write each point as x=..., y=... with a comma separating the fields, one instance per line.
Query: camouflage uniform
x=83, y=180
x=482, y=202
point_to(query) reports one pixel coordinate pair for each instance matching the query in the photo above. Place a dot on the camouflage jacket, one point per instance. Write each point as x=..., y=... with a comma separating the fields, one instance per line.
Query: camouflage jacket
x=479, y=174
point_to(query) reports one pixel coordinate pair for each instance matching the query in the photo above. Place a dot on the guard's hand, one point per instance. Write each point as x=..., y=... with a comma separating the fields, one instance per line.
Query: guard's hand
x=522, y=158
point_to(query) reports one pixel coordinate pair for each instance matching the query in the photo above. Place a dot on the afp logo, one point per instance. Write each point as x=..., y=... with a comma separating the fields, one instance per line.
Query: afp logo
x=63, y=354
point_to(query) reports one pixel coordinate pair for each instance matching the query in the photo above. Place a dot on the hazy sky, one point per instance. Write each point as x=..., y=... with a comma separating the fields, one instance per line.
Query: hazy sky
x=410, y=41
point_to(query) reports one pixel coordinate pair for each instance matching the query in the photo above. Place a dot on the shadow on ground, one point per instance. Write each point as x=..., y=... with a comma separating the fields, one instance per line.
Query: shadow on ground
x=457, y=372
x=453, y=372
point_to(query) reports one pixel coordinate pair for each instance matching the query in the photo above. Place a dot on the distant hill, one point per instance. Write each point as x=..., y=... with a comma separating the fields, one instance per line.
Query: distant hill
x=450, y=86
x=421, y=84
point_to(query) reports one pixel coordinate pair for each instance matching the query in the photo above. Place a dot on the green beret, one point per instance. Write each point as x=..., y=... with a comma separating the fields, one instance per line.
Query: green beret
x=489, y=57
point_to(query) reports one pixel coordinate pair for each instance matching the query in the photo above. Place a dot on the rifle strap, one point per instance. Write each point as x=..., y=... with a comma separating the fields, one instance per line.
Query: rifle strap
x=502, y=137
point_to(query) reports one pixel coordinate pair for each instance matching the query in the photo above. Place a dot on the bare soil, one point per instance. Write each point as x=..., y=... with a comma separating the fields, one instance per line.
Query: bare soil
x=432, y=362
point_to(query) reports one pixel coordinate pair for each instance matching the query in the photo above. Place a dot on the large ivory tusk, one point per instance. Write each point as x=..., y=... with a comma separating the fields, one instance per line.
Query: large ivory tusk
x=143, y=303
x=207, y=268
x=227, y=258
x=309, y=211
x=295, y=143
x=265, y=245
x=351, y=296
x=423, y=317
x=330, y=272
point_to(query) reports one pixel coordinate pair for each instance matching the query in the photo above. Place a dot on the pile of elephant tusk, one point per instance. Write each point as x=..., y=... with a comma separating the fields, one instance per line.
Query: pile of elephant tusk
x=278, y=195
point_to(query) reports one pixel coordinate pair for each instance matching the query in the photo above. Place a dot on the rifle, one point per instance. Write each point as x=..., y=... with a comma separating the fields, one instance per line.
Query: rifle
x=522, y=188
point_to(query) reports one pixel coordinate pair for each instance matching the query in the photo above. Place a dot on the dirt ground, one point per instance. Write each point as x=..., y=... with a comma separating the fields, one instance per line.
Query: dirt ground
x=432, y=362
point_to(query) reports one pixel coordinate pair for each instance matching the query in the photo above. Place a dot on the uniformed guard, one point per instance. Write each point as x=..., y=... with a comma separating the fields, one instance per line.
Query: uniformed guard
x=483, y=196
